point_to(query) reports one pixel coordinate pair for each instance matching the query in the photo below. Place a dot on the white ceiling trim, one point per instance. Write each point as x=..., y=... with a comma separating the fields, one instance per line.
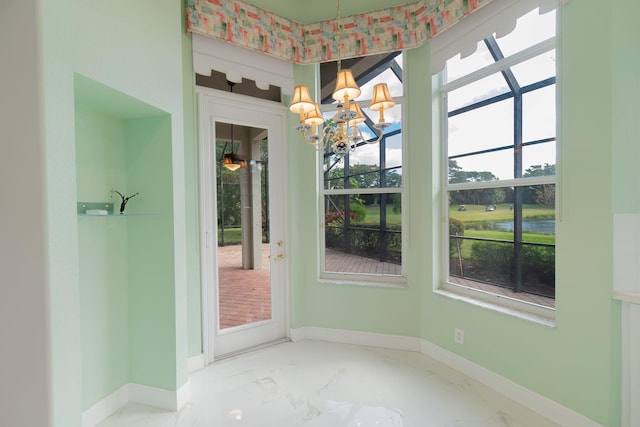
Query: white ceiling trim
x=238, y=62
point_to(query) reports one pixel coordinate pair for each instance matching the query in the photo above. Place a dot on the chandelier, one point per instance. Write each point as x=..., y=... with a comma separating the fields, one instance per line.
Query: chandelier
x=341, y=133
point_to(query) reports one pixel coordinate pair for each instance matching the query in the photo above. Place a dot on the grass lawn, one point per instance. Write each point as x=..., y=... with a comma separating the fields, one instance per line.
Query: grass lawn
x=231, y=235
x=473, y=214
x=373, y=216
x=477, y=213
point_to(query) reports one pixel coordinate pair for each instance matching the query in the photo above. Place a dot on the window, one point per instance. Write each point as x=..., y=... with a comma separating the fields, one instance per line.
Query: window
x=362, y=192
x=500, y=160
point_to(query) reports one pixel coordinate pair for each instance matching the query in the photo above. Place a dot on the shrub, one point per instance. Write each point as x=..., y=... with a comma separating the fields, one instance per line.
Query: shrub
x=357, y=209
x=490, y=256
x=538, y=264
x=496, y=259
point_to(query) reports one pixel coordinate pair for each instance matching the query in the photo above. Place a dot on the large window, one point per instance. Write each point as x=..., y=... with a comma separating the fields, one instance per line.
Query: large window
x=362, y=192
x=500, y=158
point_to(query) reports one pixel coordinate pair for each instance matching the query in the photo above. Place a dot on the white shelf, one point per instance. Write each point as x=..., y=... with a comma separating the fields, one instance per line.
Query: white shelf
x=633, y=297
x=118, y=215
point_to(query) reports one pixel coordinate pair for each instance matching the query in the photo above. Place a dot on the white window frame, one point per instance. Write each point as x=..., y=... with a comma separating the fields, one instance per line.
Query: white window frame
x=362, y=279
x=515, y=307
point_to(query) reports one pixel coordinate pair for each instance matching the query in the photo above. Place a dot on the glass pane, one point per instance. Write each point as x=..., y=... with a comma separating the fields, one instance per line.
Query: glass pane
x=398, y=59
x=393, y=151
x=458, y=67
x=365, y=156
x=480, y=90
x=539, y=114
x=388, y=77
x=535, y=69
x=480, y=129
x=539, y=159
x=363, y=234
x=491, y=166
x=531, y=28
x=244, y=274
x=364, y=176
x=392, y=115
x=366, y=131
x=485, y=251
x=364, y=166
x=333, y=174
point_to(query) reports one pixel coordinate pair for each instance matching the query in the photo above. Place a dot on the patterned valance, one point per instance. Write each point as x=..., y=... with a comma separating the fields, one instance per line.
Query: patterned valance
x=380, y=31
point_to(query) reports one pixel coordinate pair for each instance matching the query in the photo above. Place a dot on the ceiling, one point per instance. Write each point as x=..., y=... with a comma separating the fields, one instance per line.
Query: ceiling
x=308, y=11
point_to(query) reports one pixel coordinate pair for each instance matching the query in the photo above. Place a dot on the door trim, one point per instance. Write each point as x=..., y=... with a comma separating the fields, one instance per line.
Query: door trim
x=210, y=100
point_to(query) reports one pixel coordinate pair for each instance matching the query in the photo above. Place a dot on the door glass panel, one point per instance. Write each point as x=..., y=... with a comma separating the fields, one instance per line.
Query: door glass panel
x=244, y=277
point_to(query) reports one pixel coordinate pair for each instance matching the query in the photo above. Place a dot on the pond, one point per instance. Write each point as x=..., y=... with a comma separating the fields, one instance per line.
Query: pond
x=545, y=226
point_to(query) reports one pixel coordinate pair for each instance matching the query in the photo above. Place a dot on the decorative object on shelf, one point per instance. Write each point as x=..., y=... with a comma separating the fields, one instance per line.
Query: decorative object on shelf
x=232, y=161
x=95, y=208
x=341, y=132
x=125, y=199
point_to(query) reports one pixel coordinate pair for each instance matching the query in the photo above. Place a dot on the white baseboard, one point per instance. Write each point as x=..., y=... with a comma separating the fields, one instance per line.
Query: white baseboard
x=550, y=409
x=396, y=342
x=159, y=397
x=107, y=406
x=183, y=395
x=534, y=401
x=137, y=393
x=195, y=363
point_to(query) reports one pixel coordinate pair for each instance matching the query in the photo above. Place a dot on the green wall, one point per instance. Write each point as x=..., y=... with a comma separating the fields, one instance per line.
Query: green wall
x=577, y=362
x=625, y=57
x=154, y=356
x=136, y=49
x=126, y=266
x=103, y=261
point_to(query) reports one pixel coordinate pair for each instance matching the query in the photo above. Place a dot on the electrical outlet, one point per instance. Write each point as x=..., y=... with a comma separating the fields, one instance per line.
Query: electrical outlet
x=458, y=335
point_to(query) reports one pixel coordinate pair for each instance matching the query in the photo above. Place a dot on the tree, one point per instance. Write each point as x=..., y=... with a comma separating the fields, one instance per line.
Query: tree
x=483, y=196
x=545, y=194
x=540, y=170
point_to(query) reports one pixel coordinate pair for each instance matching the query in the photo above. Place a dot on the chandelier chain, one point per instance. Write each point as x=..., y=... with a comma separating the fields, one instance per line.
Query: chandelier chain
x=338, y=34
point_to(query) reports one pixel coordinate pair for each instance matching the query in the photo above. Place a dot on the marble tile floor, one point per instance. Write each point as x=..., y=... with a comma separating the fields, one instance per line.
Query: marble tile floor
x=314, y=383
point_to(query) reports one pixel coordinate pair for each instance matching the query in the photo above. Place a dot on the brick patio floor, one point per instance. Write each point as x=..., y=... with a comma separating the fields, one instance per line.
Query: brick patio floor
x=245, y=295
x=337, y=261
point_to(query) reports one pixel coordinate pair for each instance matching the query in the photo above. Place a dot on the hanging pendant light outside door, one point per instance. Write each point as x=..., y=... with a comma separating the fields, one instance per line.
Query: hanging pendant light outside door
x=232, y=161
x=341, y=132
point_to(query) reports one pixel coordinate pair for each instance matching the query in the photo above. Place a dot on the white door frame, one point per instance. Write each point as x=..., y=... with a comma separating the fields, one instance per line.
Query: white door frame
x=218, y=106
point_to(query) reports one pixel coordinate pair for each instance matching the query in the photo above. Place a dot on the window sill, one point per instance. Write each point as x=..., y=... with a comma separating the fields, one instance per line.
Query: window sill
x=531, y=312
x=395, y=282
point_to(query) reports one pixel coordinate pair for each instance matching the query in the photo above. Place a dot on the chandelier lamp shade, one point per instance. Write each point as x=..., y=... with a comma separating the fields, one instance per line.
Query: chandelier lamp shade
x=341, y=133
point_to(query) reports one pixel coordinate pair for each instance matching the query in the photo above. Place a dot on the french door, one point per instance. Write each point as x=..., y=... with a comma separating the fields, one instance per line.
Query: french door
x=243, y=222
